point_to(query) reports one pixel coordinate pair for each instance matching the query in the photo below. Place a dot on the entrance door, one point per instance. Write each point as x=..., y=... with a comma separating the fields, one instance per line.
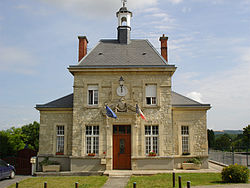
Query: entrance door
x=122, y=147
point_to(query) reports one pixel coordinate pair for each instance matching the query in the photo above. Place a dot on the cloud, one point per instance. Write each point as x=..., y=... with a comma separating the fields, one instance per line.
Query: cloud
x=195, y=96
x=16, y=60
x=97, y=8
x=175, y=1
x=226, y=90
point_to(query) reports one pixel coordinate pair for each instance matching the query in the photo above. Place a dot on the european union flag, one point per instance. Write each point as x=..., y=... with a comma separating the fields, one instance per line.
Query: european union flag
x=110, y=113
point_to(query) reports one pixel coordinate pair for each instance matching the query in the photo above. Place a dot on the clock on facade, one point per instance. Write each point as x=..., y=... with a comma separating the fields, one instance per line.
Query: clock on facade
x=121, y=91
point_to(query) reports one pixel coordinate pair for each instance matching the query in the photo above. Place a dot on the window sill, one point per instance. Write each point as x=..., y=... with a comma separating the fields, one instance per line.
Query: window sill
x=92, y=107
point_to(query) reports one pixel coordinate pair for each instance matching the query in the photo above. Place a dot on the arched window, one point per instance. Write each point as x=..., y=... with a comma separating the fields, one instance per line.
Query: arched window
x=124, y=21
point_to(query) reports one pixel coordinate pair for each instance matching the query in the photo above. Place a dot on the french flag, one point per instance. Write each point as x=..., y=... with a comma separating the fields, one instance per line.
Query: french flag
x=138, y=111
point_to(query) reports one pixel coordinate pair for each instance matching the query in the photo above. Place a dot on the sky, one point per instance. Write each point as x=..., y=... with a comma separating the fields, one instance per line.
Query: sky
x=209, y=42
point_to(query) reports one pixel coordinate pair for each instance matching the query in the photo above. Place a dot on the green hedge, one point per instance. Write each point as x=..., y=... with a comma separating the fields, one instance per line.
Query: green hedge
x=235, y=174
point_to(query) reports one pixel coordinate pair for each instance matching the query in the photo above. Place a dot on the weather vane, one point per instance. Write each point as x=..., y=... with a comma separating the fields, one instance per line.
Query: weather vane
x=124, y=2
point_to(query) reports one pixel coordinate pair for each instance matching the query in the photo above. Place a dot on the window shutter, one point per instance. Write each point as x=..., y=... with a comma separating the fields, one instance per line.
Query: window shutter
x=151, y=91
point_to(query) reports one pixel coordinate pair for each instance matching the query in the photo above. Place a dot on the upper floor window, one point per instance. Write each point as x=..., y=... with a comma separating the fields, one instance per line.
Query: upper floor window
x=60, y=140
x=185, y=139
x=151, y=94
x=93, y=95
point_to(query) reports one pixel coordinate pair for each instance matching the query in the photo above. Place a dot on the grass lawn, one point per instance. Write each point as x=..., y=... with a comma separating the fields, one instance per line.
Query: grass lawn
x=63, y=182
x=165, y=180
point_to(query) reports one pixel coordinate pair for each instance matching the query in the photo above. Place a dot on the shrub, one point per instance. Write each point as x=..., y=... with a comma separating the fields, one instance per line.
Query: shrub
x=235, y=174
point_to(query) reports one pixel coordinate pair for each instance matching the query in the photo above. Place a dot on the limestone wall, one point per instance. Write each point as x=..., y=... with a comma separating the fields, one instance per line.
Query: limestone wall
x=47, y=135
x=197, y=122
x=95, y=115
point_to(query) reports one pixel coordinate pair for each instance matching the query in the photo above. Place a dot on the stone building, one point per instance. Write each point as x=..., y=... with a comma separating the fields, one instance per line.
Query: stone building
x=123, y=73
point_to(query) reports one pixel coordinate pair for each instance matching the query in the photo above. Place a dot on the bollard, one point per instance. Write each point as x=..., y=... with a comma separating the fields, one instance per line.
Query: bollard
x=76, y=185
x=17, y=184
x=188, y=184
x=173, y=179
x=179, y=178
x=45, y=184
x=134, y=185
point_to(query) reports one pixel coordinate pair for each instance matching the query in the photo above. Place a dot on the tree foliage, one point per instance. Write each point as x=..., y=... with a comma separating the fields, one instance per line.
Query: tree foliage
x=15, y=139
x=211, y=138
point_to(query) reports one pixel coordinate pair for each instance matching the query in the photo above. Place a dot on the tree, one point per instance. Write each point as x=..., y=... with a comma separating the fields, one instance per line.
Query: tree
x=223, y=142
x=15, y=139
x=211, y=138
x=246, y=136
x=31, y=135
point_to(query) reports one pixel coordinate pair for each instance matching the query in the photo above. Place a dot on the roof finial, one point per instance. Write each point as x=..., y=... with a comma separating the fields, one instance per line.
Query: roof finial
x=124, y=2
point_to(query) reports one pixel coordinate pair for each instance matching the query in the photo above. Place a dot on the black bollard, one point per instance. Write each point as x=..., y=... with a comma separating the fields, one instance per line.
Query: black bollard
x=45, y=184
x=173, y=179
x=17, y=184
x=134, y=185
x=179, y=178
x=76, y=185
x=188, y=184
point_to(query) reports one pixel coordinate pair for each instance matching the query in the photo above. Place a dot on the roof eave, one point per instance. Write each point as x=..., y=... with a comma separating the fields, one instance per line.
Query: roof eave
x=126, y=68
x=53, y=109
x=191, y=107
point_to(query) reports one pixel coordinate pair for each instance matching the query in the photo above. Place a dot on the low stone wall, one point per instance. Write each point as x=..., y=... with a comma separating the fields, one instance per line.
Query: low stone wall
x=86, y=164
x=153, y=163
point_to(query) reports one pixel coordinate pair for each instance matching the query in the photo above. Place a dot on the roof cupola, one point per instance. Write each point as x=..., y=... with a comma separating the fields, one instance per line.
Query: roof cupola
x=123, y=28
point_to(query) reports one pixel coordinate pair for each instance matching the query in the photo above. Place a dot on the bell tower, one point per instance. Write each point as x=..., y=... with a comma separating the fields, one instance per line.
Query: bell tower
x=123, y=29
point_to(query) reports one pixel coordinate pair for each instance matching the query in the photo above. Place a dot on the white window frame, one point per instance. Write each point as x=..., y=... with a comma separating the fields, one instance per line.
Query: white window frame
x=185, y=139
x=92, y=139
x=151, y=139
x=60, y=139
x=94, y=95
x=151, y=94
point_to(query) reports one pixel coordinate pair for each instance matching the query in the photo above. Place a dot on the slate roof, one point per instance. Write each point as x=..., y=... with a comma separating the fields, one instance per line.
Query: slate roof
x=178, y=100
x=63, y=102
x=112, y=53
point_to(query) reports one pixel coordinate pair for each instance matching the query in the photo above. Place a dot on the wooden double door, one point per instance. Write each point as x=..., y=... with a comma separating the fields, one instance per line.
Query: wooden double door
x=122, y=147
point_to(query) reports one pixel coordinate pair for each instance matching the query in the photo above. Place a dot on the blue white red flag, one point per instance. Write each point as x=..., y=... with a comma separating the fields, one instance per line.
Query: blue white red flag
x=140, y=113
x=110, y=113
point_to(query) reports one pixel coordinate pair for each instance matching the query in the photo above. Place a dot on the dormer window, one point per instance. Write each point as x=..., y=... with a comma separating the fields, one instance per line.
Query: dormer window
x=150, y=94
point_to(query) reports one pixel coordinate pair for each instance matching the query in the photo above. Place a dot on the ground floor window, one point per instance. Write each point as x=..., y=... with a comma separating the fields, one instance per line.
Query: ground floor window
x=60, y=140
x=185, y=139
x=92, y=139
x=151, y=138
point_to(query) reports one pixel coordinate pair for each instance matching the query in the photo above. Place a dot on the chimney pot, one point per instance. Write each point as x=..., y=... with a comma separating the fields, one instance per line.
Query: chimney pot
x=164, y=47
x=83, y=41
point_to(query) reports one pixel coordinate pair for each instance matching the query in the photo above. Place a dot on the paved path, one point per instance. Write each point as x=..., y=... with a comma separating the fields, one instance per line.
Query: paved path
x=116, y=182
x=7, y=182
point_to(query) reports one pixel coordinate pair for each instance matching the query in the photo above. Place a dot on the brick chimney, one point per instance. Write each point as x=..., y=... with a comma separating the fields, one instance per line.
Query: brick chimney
x=164, y=47
x=83, y=41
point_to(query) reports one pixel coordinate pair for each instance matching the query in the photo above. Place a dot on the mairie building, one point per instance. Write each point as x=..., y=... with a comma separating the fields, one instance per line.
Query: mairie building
x=147, y=126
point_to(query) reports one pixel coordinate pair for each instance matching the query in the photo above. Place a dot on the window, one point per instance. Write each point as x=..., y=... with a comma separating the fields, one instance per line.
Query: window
x=60, y=140
x=92, y=139
x=93, y=95
x=185, y=139
x=151, y=94
x=151, y=137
